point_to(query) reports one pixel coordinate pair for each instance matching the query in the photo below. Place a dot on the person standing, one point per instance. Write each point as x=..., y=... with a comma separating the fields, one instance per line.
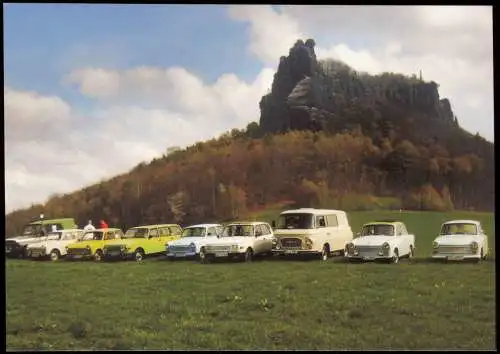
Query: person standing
x=103, y=225
x=89, y=226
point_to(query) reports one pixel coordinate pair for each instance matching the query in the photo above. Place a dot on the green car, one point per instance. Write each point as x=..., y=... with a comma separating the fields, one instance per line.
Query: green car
x=35, y=232
x=141, y=241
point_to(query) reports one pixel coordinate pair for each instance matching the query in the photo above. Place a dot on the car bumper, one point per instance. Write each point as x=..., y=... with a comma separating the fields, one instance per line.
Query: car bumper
x=36, y=254
x=79, y=257
x=456, y=257
x=295, y=252
x=15, y=252
x=181, y=254
x=368, y=258
x=222, y=255
x=117, y=255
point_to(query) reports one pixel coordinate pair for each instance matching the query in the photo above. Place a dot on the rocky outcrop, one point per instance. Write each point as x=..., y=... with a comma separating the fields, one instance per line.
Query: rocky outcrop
x=307, y=94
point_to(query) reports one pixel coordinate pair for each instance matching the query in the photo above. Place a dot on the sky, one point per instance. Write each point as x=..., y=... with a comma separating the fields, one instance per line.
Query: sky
x=91, y=90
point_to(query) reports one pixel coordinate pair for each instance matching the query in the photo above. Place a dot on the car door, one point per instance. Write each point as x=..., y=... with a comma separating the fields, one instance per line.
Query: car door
x=268, y=237
x=258, y=239
x=402, y=240
x=154, y=241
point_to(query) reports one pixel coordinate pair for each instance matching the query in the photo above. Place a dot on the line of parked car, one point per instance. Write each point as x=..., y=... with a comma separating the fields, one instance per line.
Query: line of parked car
x=306, y=231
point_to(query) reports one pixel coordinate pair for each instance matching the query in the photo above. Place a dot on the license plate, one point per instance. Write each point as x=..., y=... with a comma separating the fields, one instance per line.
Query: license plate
x=114, y=253
x=179, y=254
x=291, y=252
x=221, y=254
x=455, y=258
x=368, y=258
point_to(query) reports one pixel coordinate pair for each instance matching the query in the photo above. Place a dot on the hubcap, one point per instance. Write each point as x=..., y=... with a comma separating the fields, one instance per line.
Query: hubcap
x=138, y=256
x=54, y=256
x=97, y=256
x=324, y=254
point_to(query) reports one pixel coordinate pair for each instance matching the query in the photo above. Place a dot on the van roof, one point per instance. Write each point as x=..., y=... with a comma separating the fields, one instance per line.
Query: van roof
x=314, y=211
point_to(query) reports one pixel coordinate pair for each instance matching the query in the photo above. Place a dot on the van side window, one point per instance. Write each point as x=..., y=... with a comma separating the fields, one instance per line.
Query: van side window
x=175, y=230
x=332, y=220
x=267, y=229
x=219, y=230
x=153, y=232
x=320, y=221
x=164, y=231
x=211, y=231
x=258, y=230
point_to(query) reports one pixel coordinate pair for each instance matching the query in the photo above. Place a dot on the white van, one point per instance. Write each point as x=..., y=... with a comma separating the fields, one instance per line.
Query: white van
x=311, y=231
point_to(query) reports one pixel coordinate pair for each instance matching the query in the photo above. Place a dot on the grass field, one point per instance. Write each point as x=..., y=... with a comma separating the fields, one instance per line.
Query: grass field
x=269, y=304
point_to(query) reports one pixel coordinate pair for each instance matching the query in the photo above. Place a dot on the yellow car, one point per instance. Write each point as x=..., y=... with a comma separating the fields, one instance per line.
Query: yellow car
x=141, y=241
x=92, y=244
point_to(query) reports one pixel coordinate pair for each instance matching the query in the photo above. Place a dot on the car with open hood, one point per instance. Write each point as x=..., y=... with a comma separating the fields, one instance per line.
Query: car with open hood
x=142, y=241
x=461, y=240
x=382, y=240
x=192, y=239
x=310, y=231
x=54, y=245
x=92, y=244
x=242, y=239
x=33, y=232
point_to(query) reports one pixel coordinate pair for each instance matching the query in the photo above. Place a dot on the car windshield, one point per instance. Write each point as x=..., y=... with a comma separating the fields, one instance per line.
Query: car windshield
x=193, y=232
x=378, y=229
x=459, y=229
x=295, y=221
x=141, y=232
x=31, y=230
x=237, y=230
x=92, y=235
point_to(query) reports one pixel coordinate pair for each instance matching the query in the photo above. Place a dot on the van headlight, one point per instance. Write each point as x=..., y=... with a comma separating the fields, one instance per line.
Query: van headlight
x=435, y=244
x=308, y=243
x=351, y=248
x=192, y=247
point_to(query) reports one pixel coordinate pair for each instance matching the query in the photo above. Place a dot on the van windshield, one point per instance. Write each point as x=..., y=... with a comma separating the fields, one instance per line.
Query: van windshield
x=295, y=221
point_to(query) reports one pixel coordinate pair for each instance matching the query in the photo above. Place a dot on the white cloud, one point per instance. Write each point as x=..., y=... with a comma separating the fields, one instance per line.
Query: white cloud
x=52, y=147
x=452, y=45
x=143, y=111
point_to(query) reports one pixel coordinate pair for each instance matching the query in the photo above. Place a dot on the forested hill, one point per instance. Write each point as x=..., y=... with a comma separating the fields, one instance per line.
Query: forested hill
x=328, y=137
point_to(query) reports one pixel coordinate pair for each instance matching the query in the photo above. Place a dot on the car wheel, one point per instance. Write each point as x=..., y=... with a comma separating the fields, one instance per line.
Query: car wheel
x=98, y=255
x=395, y=257
x=139, y=255
x=412, y=252
x=325, y=253
x=484, y=256
x=203, y=256
x=248, y=255
x=54, y=255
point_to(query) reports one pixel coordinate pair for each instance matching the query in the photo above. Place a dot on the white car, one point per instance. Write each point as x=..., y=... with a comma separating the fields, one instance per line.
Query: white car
x=382, y=240
x=240, y=240
x=54, y=246
x=192, y=239
x=459, y=240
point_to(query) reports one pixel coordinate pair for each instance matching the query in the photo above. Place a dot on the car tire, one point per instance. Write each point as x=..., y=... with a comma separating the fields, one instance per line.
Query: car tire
x=203, y=256
x=484, y=256
x=325, y=253
x=98, y=256
x=395, y=257
x=248, y=255
x=412, y=252
x=139, y=255
x=54, y=255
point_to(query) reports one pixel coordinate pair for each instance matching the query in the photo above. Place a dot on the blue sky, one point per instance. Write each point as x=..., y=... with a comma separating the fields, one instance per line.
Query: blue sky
x=45, y=41
x=87, y=83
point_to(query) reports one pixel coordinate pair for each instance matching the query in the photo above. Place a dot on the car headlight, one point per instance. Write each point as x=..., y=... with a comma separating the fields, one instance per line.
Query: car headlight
x=435, y=244
x=274, y=241
x=88, y=247
x=385, y=246
x=474, y=245
x=192, y=247
x=66, y=248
